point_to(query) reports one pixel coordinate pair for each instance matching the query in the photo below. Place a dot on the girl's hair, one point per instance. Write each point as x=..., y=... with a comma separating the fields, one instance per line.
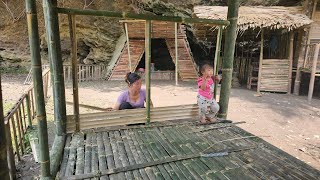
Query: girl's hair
x=131, y=78
x=204, y=66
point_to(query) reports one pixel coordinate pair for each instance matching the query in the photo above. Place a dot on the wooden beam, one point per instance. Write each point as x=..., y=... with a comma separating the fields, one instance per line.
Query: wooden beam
x=217, y=58
x=291, y=37
x=227, y=66
x=313, y=72
x=38, y=87
x=147, y=66
x=128, y=46
x=300, y=62
x=141, y=16
x=176, y=50
x=260, y=61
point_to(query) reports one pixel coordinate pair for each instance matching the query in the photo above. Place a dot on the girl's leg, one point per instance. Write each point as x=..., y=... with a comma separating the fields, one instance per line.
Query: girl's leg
x=202, y=104
x=214, y=109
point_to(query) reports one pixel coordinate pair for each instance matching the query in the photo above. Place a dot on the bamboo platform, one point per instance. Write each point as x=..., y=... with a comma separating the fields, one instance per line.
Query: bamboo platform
x=176, y=150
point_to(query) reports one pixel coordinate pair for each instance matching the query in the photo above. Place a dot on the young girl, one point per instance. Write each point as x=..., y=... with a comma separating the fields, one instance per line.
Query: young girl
x=205, y=94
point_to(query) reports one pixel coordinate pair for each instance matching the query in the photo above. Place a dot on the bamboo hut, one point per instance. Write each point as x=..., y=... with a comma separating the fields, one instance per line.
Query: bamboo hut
x=264, y=53
x=163, y=51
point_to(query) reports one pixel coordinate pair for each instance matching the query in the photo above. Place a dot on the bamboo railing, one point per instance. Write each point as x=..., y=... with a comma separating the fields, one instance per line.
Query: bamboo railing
x=17, y=121
x=85, y=72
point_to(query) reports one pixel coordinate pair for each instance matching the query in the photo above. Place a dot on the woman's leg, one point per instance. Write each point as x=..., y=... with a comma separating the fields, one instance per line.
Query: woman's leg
x=125, y=105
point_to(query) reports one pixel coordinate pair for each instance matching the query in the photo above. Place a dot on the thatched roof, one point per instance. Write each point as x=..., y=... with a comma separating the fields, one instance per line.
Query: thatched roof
x=273, y=17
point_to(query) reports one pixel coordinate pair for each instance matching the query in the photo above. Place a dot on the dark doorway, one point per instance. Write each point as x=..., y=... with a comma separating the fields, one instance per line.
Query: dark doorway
x=160, y=56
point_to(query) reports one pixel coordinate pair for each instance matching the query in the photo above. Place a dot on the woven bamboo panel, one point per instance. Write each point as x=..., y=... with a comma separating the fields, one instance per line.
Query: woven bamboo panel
x=274, y=75
x=131, y=116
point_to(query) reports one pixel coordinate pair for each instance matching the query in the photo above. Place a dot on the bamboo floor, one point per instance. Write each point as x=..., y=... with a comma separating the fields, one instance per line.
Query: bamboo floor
x=172, y=150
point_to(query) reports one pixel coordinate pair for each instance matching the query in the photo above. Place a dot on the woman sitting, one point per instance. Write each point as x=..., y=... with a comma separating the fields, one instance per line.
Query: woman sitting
x=134, y=97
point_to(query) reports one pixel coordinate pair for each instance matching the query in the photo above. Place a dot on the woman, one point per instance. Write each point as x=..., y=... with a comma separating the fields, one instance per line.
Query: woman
x=134, y=97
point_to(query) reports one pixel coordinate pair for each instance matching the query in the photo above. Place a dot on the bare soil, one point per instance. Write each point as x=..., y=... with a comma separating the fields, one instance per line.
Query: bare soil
x=287, y=121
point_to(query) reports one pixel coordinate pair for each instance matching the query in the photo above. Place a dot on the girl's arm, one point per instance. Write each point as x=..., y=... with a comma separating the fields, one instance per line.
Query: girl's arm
x=204, y=84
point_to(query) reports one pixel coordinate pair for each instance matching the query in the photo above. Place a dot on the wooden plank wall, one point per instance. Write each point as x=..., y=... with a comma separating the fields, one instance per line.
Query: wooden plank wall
x=131, y=116
x=274, y=75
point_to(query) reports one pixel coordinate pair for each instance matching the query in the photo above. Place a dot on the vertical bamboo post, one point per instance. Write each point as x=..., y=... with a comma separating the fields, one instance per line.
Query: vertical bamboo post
x=260, y=61
x=28, y=110
x=291, y=37
x=313, y=72
x=14, y=133
x=38, y=87
x=73, y=39
x=147, y=66
x=227, y=66
x=4, y=170
x=10, y=153
x=217, y=58
x=54, y=49
x=299, y=64
x=20, y=135
x=128, y=46
x=176, y=50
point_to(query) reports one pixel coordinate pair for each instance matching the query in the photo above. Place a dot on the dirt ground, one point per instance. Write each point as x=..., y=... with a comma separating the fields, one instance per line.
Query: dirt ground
x=287, y=121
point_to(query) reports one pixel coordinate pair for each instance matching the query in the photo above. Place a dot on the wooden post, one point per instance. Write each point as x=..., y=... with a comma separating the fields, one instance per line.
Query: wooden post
x=38, y=87
x=73, y=39
x=54, y=50
x=291, y=37
x=313, y=72
x=128, y=46
x=260, y=61
x=10, y=153
x=217, y=58
x=227, y=66
x=176, y=50
x=300, y=62
x=28, y=110
x=147, y=66
x=4, y=170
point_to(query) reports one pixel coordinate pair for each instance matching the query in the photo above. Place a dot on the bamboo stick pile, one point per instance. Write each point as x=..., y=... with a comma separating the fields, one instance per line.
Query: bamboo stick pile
x=175, y=150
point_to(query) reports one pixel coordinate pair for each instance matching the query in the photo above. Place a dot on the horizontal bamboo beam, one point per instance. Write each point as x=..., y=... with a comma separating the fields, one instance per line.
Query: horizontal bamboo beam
x=141, y=16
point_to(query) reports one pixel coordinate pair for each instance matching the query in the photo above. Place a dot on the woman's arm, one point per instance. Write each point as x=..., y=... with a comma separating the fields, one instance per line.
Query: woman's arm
x=116, y=106
x=151, y=103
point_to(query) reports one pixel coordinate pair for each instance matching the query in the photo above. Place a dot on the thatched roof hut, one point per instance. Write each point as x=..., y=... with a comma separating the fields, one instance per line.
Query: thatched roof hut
x=255, y=17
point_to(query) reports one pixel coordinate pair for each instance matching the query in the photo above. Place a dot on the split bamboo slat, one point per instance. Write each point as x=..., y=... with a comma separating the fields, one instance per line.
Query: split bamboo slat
x=86, y=72
x=131, y=116
x=274, y=75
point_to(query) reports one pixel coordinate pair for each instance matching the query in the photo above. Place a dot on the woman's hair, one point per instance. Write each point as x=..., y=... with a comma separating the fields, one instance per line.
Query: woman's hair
x=204, y=66
x=131, y=78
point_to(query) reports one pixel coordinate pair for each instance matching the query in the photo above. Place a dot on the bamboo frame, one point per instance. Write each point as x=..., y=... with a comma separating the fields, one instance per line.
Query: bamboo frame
x=291, y=38
x=313, y=72
x=4, y=170
x=227, y=66
x=73, y=39
x=176, y=52
x=260, y=61
x=147, y=66
x=38, y=87
x=140, y=16
x=300, y=61
x=217, y=58
x=128, y=46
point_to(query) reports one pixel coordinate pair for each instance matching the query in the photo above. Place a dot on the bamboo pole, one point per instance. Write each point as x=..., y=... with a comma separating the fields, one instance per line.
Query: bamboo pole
x=28, y=110
x=54, y=47
x=147, y=66
x=10, y=152
x=141, y=16
x=300, y=61
x=128, y=46
x=313, y=72
x=260, y=61
x=4, y=170
x=176, y=50
x=73, y=39
x=20, y=133
x=291, y=37
x=38, y=87
x=217, y=58
x=227, y=66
